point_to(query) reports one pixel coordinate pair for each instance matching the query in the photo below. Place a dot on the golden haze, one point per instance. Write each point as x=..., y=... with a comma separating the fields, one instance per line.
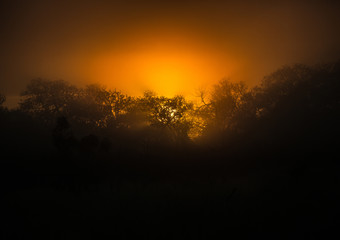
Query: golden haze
x=169, y=66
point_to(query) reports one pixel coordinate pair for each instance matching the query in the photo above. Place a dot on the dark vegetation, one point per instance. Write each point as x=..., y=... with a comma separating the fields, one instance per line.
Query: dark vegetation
x=93, y=163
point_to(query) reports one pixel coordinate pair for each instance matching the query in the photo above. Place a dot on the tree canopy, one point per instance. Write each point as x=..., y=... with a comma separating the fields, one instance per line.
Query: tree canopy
x=293, y=92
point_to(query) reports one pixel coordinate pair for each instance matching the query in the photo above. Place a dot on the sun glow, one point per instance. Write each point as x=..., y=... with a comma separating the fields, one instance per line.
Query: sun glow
x=168, y=68
x=168, y=76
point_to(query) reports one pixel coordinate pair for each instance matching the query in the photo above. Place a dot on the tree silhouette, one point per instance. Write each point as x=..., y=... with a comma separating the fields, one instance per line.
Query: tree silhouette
x=167, y=113
x=90, y=107
x=226, y=101
x=282, y=85
x=120, y=106
x=2, y=99
x=100, y=107
x=93, y=106
x=48, y=99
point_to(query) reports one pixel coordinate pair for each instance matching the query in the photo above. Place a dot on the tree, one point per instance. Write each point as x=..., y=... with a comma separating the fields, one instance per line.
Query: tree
x=298, y=107
x=2, y=99
x=48, y=99
x=109, y=107
x=93, y=106
x=226, y=101
x=120, y=106
x=88, y=107
x=167, y=113
x=281, y=87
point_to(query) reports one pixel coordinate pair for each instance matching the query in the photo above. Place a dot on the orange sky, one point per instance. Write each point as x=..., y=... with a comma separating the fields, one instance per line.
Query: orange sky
x=169, y=63
x=172, y=47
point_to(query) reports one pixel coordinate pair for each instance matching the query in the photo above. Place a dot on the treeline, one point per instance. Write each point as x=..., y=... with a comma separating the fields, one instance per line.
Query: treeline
x=292, y=96
x=289, y=122
x=295, y=108
x=243, y=163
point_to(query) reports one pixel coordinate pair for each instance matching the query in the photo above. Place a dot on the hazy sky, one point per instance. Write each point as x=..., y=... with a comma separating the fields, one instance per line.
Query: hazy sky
x=171, y=47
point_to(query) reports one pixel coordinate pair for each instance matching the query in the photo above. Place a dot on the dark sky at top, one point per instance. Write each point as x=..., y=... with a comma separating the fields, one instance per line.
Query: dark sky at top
x=119, y=43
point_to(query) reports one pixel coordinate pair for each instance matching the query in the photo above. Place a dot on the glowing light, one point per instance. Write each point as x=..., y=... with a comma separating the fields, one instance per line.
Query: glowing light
x=173, y=112
x=166, y=67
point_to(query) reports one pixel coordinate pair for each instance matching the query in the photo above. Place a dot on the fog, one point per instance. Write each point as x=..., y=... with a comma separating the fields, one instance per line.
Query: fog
x=130, y=45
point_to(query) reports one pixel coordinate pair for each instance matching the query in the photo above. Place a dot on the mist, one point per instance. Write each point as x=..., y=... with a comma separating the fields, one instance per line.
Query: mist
x=118, y=44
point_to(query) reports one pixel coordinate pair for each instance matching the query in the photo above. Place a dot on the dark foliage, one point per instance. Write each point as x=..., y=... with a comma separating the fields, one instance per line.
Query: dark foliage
x=2, y=99
x=93, y=163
